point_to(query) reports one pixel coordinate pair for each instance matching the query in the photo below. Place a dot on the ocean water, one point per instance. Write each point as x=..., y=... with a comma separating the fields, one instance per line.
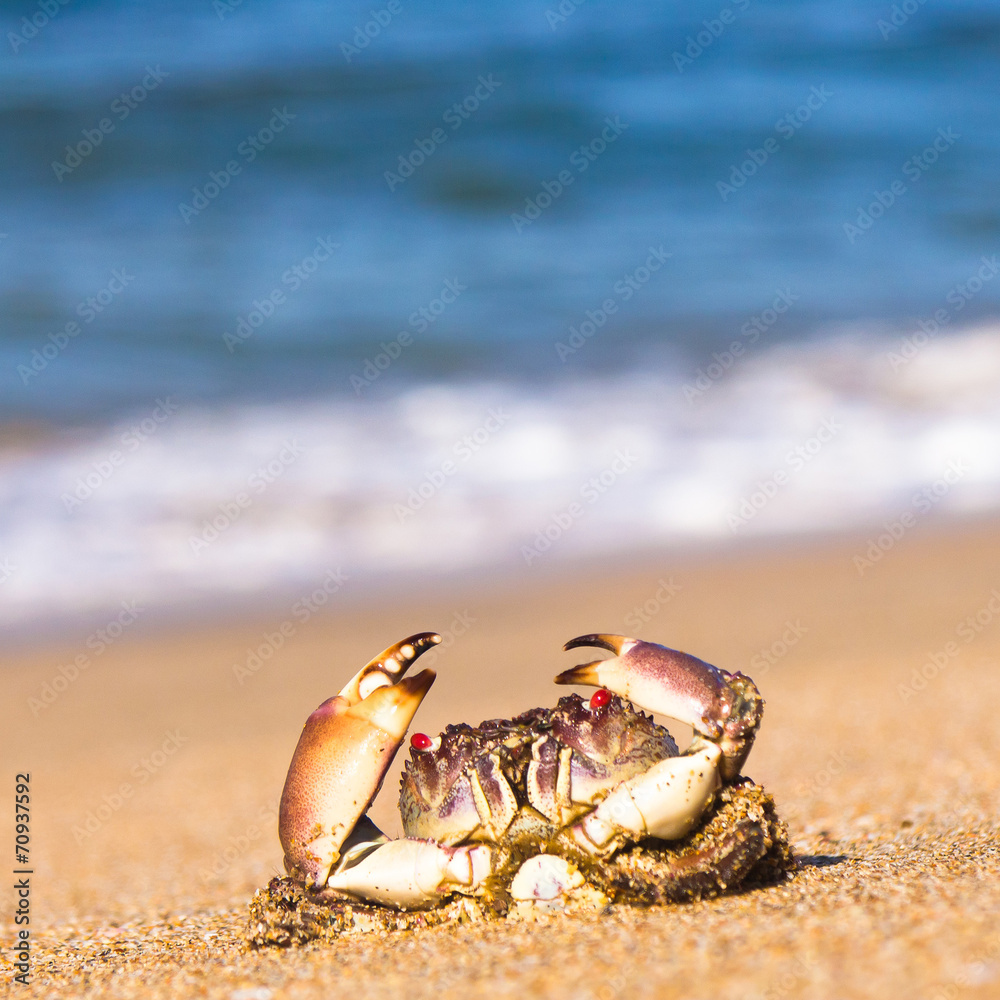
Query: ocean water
x=291, y=290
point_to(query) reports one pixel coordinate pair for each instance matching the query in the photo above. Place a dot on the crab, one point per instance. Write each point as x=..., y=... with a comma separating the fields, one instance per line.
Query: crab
x=583, y=805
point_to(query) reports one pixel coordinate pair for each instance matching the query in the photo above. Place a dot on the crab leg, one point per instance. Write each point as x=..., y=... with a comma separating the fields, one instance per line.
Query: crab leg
x=722, y=707
x=345, y=748
x=412, y=874
x=664, y=802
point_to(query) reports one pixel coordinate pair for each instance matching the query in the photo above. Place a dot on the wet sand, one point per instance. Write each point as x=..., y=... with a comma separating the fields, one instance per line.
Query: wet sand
x=155, y=775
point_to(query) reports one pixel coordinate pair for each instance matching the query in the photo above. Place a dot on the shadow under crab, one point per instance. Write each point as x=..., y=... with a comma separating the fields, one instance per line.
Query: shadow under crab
x=565, y=809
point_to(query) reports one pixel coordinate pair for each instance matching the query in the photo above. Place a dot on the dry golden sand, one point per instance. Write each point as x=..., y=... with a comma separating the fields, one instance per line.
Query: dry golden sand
x=891, y=795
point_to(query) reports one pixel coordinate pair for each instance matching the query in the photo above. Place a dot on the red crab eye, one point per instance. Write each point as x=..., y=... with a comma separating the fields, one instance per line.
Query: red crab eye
x=420, y=741
x=600, y=698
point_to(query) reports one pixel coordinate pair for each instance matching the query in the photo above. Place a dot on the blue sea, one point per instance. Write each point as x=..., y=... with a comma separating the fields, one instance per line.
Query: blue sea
x=292, y=289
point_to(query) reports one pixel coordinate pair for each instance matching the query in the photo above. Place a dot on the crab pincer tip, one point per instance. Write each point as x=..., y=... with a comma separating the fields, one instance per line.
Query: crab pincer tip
x=602, y=640
x=585, y=673
x=408, y=649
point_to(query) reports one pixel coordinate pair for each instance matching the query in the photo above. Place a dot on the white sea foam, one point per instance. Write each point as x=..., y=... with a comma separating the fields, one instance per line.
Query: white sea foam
x=839, y=432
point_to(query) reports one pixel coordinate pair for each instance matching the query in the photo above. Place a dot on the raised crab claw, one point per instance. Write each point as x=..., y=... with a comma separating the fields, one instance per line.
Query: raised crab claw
x=581, y=805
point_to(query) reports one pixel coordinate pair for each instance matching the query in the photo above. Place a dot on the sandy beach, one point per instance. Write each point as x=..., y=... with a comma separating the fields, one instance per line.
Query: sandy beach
x=155, y=773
